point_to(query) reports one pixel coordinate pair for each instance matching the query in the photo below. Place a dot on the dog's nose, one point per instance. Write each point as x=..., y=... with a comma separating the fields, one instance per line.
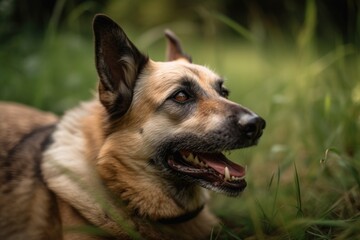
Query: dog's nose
x=252, y=126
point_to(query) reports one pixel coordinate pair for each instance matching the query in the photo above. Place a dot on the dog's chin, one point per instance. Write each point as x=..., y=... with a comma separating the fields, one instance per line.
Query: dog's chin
x=210, y=170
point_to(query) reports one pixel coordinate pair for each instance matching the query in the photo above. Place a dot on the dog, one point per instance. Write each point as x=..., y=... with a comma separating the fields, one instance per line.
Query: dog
x=136, y=162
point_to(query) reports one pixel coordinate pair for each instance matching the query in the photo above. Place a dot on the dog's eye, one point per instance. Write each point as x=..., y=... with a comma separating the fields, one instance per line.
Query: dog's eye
x=181, y=97
x=224, y=92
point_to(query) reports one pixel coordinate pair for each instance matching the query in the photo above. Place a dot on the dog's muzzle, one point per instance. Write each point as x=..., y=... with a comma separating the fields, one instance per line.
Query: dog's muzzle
x=198, y=157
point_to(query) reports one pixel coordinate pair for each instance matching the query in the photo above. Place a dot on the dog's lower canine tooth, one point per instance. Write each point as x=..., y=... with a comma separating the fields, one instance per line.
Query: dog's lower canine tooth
x=227, y=173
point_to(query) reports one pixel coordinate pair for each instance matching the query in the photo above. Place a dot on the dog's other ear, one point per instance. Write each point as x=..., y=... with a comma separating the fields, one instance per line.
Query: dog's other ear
x=118, y=64
x=174, y=50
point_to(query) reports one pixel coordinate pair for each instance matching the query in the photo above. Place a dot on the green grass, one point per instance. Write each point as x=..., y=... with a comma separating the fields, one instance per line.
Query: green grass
x=303, y=177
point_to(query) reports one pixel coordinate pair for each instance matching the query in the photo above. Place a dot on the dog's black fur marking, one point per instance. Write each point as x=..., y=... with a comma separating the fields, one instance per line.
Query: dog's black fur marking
x=24, y=159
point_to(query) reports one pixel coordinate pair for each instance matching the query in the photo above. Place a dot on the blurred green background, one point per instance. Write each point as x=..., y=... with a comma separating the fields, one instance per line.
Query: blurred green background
x=296, y=63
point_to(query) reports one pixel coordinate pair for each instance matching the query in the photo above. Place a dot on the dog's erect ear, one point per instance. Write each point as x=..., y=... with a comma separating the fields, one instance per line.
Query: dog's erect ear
x=118, y=63
x=174, y=50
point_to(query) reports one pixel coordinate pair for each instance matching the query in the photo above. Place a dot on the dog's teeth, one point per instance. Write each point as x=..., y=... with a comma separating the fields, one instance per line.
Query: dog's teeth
x=227, y=173
x=233, y=178
x=196, y=160
x=193, y=157
x=241, y=178
x=190, y=157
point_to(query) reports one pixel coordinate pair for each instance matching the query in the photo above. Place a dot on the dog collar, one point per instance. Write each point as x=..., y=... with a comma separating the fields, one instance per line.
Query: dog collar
x=182, y=218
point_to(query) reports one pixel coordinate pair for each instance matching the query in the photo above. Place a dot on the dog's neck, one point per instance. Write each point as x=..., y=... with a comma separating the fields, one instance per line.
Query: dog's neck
x=145, y=192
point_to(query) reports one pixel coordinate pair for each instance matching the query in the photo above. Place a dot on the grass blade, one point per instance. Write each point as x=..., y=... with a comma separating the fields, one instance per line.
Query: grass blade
x=276, y=193
x=300, y=212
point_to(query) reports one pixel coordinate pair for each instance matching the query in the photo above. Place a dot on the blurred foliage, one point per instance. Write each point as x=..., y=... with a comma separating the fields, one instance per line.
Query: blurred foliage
x=296, y=63
x=266, y=19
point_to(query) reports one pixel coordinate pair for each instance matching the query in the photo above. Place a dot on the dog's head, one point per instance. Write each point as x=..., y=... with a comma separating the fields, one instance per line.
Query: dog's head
x=176, y=113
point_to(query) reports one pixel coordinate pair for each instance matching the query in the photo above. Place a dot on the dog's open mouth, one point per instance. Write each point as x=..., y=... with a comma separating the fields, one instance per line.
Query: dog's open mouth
x=211, y=170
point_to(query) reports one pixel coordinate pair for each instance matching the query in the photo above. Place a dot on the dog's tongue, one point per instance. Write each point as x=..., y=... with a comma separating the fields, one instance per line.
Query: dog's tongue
x=218, y=162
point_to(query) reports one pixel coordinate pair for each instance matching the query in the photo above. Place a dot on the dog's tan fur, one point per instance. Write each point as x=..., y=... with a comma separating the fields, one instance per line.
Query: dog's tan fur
x=95, y=168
